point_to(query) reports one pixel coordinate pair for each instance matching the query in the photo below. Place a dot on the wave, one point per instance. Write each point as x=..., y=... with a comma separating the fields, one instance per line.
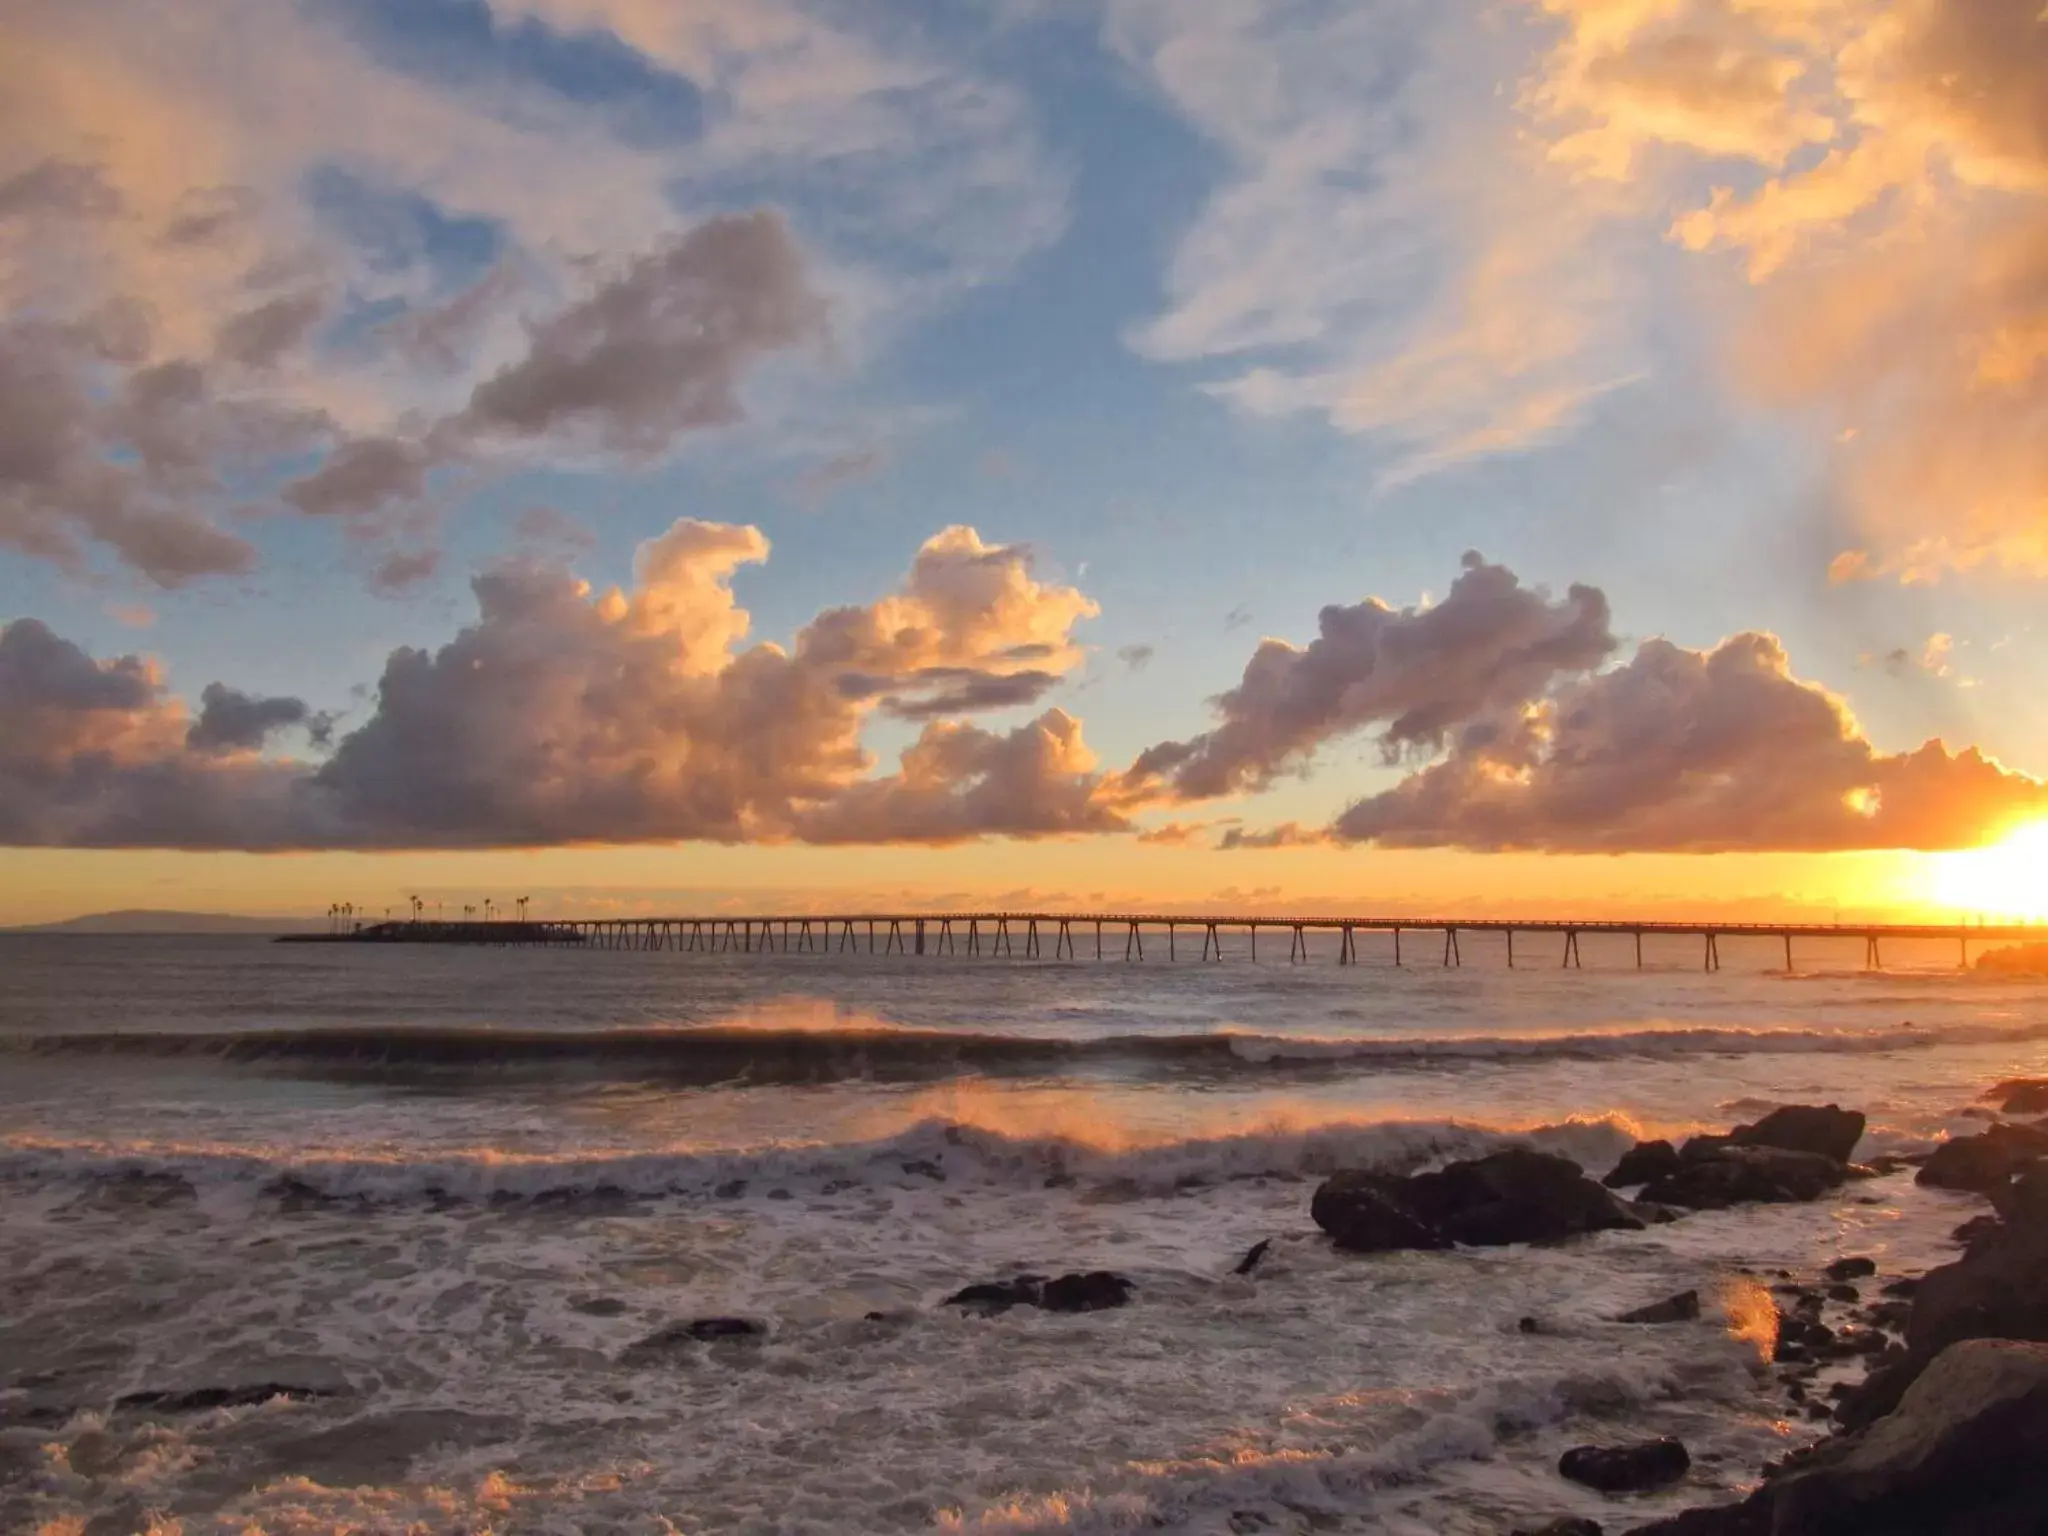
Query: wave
x=938, y=1150
x=787, y=1056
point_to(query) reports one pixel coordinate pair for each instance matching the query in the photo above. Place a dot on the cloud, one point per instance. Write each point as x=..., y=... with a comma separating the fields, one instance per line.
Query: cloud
x=1136, y=657
x=371, y=235
x=1881, y=171
x=819, y=485
x=962, y=691
x=660, y=348
x=958, y=781
x=564, y=715
x=233, y=721
x=1691, y=751
x=404, y=568
x=1388, y=248
x=1415, y=673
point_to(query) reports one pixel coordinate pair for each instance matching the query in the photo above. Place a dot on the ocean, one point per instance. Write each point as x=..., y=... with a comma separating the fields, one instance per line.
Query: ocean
x=443, y=1193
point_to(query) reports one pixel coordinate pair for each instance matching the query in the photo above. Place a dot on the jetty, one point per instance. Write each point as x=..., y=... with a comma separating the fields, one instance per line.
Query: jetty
x=1113, y=935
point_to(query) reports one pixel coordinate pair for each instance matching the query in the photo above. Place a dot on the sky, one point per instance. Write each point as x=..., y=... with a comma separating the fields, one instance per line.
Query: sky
x=1522, y=456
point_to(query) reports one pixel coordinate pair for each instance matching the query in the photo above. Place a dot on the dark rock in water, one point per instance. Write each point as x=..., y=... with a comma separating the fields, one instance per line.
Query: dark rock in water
x=1364, y=1212
x=997, y=1295
x=1528, y=1325
x=1978, y=1231
x=598, y=1306
x=731, y=1189
x=1094, y=1290
x=2021, y=1095
x=1825, y=1130
x=1644, y=1161
x=1626, y=1468
x=1844, y=1293
x=1651, y=1214
x=1569, y=1526
x=1737, y=1175
x=1252, y=1255
x=204, y=1399
x=925, y=1168
x=1905, y=1285
x=381, y=1447
x=1514, y=1196
x=1682, y=1308
x=665, y=1342
x=1854, y=1268
x=1985, y=1162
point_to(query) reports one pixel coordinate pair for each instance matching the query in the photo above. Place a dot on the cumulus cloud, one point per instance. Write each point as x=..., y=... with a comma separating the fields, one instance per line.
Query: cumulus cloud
x=233, y=721
x=1882, y=181
x=565, y=715
x=1691, y=751
x=1414, y=673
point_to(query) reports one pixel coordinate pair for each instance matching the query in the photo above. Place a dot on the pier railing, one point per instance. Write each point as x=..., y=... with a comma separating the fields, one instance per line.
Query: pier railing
x=1072, y=936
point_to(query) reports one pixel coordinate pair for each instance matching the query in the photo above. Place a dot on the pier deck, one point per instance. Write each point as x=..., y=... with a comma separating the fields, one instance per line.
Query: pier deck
x=1072, y=936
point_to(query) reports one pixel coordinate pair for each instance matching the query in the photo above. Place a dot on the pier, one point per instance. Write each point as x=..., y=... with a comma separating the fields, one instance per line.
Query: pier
x=1123, y=935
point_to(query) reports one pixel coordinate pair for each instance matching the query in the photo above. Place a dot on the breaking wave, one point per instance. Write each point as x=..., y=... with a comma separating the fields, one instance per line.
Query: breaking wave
x=934, y=1151
x=777, y=1055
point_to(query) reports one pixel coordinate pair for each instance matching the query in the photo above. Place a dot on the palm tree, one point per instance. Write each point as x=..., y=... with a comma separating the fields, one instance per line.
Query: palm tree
x=522, y=907
x=417, y=907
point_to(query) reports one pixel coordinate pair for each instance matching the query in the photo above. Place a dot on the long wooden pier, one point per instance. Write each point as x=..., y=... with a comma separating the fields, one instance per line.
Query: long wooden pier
x=1108, y=935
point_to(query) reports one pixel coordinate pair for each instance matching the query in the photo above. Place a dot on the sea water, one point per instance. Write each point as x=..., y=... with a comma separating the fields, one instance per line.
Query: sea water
x=442, y=1192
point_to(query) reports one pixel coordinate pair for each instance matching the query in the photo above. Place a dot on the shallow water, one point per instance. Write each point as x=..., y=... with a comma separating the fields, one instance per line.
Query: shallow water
x=446, y=1189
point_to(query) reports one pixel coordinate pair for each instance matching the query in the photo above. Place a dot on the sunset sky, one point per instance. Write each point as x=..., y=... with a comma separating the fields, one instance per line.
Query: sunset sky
x=1547, y=455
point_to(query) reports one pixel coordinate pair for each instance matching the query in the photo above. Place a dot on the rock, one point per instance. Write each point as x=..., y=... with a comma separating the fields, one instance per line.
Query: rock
x=1094, y=1290
x=1978, y=1231
x=1905, y=1285
x=1529, y=1325
x=664, y=1343
x=1626, y=1468
x=598, y=1306
x=1644, y=1161
x=1844, y=1293
x=1985, y=1162
x=1744, y=1519
x=1252, y=1255
x=2021, y=1095
x=1961, y=1453
x=1364, y=1213
x=1825, y=1130
x=1651, y=1214
x=1851, y=1268
x=1514, y=1196
x=1569, y=1526
x=1998, y=1291
x=1682, y=1308
x=1736, y=1175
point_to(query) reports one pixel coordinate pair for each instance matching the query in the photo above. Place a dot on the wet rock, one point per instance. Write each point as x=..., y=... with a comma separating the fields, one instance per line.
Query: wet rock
x=205, y=1399
x=2021, y=1095
x=665, y=1343
x=1682, y=1308
x=1626, y=1468
x=598, y=1306
x=1738, y=1175
x=1905, y=1285
x=1961, y=1453
x=1094, y=1290
x=1844, y=1293
x=1651, y=1214
x=1252, y=1255
x=1745, y=1519
x=1644, y=1161
x=1528, y=1325
x=1515, y=1196
x=925, y=1168
x=1889, y=1314
x=1983, y=1163
x=1978, y=1231
x=1825, y=1130
x=731, y=1189
x=1571, y=1525
x=1853, y=1268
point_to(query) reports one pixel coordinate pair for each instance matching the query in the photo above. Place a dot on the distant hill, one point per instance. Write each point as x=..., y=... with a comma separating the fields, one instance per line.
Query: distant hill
x=144, y=921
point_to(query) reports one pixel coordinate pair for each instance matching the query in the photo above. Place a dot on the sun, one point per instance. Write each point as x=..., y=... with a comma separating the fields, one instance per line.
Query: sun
x=2006, y=879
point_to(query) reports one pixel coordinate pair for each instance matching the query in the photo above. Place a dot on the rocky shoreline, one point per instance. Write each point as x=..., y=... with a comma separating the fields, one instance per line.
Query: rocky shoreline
x=1945, y=1434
